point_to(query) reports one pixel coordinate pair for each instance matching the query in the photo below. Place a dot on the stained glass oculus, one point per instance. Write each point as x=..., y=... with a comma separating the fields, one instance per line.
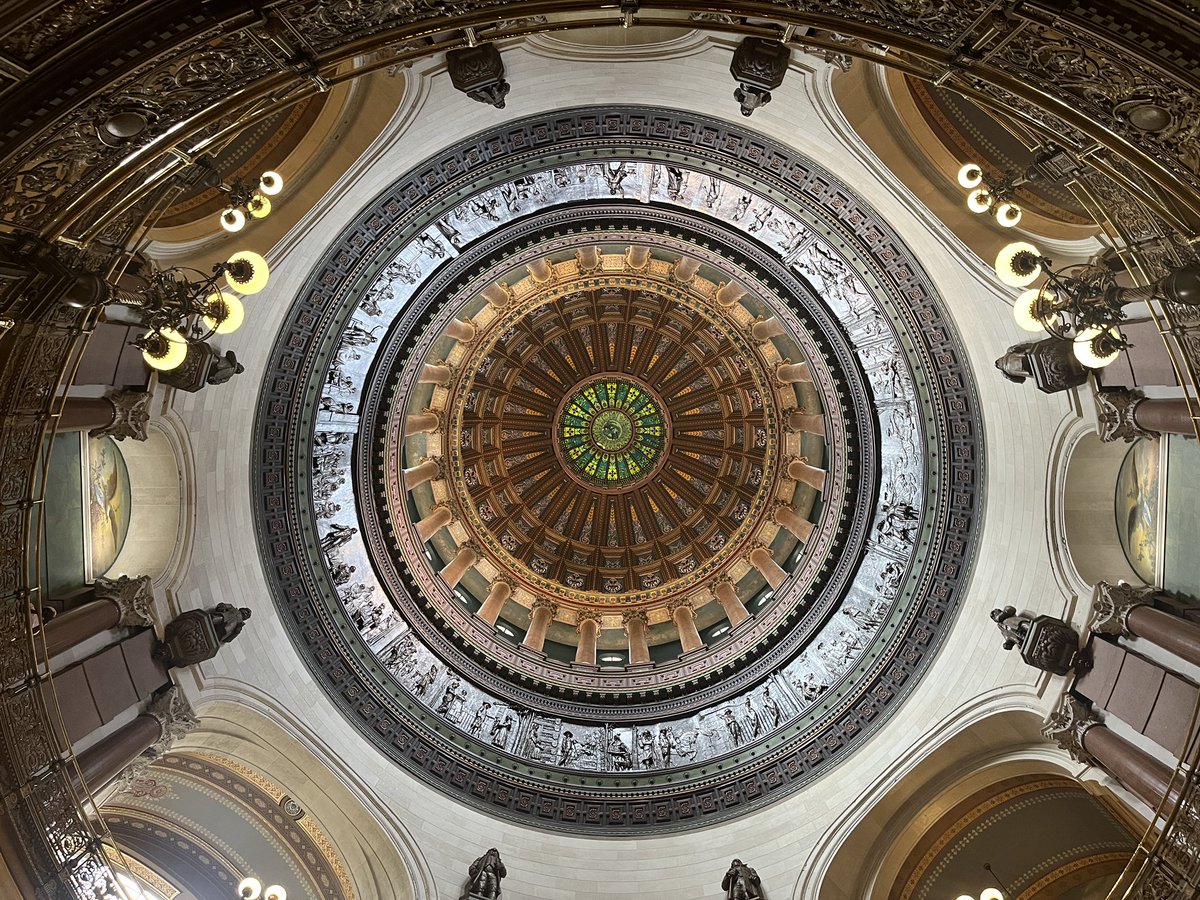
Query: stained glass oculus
x=612, y=433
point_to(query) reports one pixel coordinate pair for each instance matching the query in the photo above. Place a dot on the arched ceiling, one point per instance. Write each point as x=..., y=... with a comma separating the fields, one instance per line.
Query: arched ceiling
x=451, y=324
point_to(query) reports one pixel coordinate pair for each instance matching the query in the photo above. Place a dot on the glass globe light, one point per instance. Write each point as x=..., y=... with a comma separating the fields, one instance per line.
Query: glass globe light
x=1019, y=264
x=1008, y=214
x=247, y=272
x=979, y=200
x=227, y=313
x=233, y=220
x=1094, y=348
x=964, y=897
x=166, y=350
x=259, y=207
x=991, y=894
x=250, y=888
x=970, y=175
x=1026, y=306
x=275, y=892
x=270, y=183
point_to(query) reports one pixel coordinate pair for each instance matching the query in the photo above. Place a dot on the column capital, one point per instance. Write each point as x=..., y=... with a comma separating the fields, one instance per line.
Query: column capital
x=1115, y=408
x=134, y=597
x=1111, y=605
x=1067, y=724
x=634, y=615
x=546, y=603
x=175, y=716
x=589, y=615
x=131, y=414
x=680, y=603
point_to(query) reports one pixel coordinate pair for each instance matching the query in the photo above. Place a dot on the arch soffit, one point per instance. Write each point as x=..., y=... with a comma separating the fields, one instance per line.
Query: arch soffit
x=864, y=849
x=381, y=858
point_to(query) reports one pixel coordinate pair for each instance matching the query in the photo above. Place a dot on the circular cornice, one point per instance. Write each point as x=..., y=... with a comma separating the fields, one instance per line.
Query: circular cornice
x=779, y=727
x=400, y=558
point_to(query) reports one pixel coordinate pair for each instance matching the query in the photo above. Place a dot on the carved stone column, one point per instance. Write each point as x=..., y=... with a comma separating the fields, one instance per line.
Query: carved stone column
x=541, y=271
x=1126, y=415
x=463, y=332
x=1125, y=610
x=787, y=517
x=167, y=718
x=425, y=422
x=637, y=257
x=121, y=601
x=497, y=294
x=544, y=611
x=588, y=626
x=634, y=621
x=761, y=559
x=729, y=293
x=1075, y=729
x=119, y=415
x=454, y=571
x=437, y=519
x=498, y=594
x=436, y=373
x=765, y=329
x=799, y=470
x=725, y=593
x=684, y=617
x=684, y=270
x=798, y=420
x=588, y=258
x=103, y=762
x=791, y=373
x=429, y=469
x=77, y=625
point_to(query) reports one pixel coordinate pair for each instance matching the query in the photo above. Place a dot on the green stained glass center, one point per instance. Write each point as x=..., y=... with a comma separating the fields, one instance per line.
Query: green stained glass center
x=611, y=433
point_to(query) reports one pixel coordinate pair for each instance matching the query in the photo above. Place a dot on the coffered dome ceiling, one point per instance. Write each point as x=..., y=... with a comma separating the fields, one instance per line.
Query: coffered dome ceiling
x=633, y=380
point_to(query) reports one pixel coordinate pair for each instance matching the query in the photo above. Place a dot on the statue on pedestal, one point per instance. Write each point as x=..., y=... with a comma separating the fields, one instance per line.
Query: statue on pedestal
x=486, y=873
x=198, y=634
x=741, y=882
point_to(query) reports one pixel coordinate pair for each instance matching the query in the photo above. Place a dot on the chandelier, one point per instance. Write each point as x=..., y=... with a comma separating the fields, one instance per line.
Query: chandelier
x=180, y=310
x=1083, y=303
x=246, y=201
x=250, y=888
x=996, y=195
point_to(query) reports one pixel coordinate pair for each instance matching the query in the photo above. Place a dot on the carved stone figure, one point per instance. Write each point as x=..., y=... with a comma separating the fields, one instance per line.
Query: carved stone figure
x=224, y=368
x=485, y=876
x=500, y=730
x=228, y=621
x=741, y=882
x=666, y=744
x=619, y=753
x=1013, y=626
x=1050, y=362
